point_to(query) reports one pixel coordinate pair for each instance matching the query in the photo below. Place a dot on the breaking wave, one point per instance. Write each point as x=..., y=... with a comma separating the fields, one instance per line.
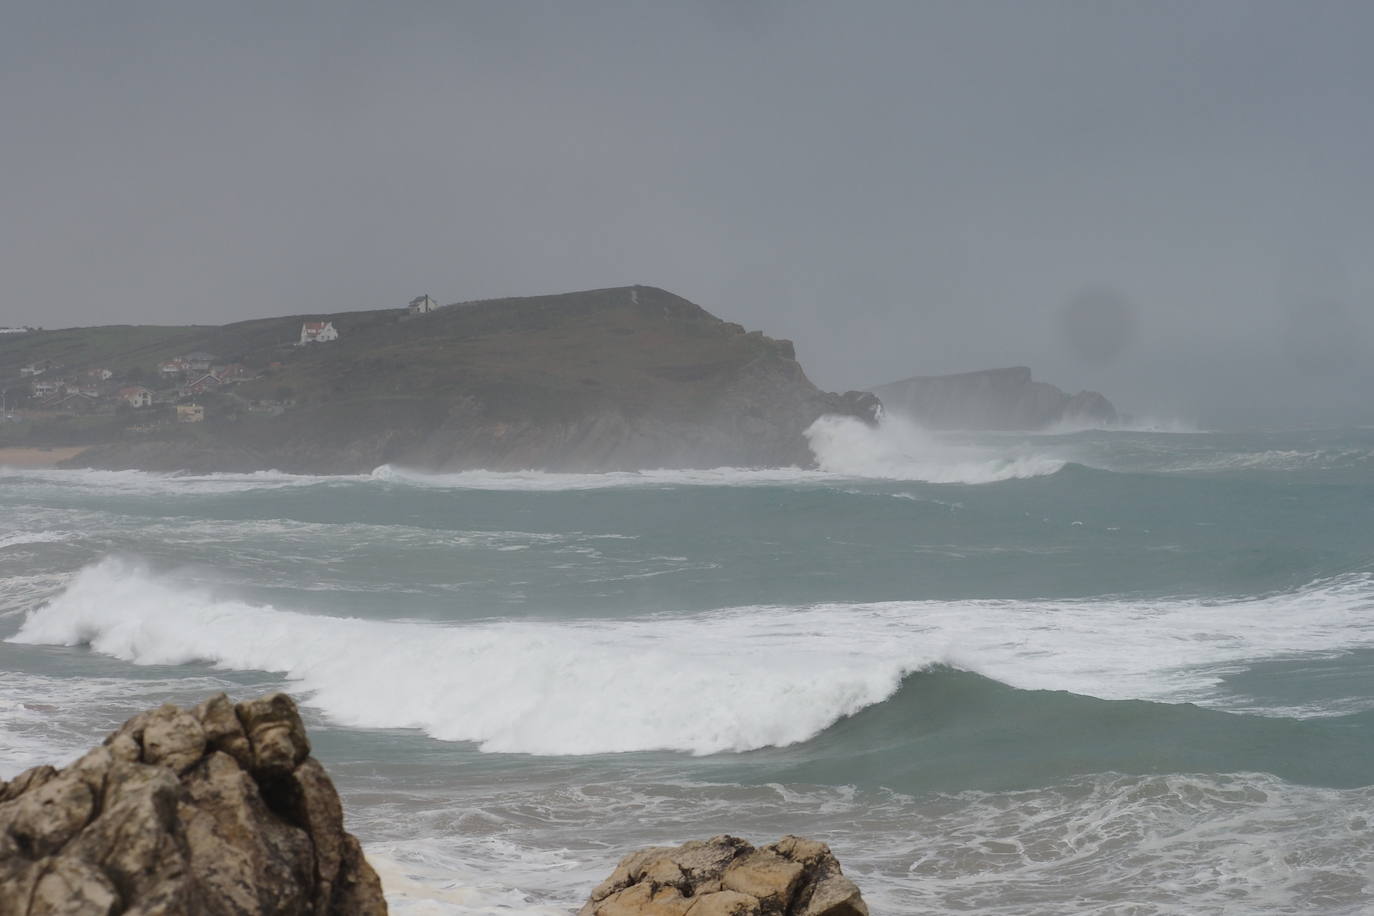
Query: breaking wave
x=727, y=680
x=896, y=449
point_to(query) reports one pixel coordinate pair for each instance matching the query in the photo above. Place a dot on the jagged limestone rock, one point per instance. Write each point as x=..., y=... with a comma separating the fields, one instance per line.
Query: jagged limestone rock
x=215, y=810
x=726, y=876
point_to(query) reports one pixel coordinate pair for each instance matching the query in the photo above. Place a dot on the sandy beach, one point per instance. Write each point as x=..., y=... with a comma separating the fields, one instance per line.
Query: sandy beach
x=38, y=457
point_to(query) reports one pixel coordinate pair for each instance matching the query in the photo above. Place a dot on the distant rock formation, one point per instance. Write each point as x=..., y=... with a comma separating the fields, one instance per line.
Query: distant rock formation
x=726, y=876
x=993, y=399
x=213, y=810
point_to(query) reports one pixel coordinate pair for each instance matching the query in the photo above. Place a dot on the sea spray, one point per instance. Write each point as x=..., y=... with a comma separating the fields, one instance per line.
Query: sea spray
x=897, y=449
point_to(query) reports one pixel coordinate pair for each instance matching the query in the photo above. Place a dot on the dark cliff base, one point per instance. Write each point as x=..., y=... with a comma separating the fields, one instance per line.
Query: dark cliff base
x=615, y=379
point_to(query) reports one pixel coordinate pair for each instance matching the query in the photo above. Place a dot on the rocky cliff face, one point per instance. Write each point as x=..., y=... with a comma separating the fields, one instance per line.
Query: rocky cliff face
x=994, y=399
x=617, y=379
x=726, y=876
x=215, y=810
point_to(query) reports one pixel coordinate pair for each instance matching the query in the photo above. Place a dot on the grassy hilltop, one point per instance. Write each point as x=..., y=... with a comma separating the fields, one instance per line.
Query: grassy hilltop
x=615, y=378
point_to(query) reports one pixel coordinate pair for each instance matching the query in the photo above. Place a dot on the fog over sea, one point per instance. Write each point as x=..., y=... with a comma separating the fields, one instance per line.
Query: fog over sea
x=1084, y=672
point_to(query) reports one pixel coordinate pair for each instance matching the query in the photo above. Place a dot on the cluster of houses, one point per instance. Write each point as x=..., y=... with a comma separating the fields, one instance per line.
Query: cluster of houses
x=97, y=390
x=178, y=380
x=197, y=373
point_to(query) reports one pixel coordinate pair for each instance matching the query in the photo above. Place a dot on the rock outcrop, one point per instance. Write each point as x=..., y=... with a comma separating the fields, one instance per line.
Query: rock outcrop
x=726, y=876
x=214, y=810
x=995, y=399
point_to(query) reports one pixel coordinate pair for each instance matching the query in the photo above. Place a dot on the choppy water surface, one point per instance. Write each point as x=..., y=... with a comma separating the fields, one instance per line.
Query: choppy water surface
x=1102, y=672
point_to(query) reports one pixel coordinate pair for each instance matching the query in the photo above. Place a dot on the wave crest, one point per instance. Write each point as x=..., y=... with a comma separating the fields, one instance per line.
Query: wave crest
x=728, y=680
x=701, y=685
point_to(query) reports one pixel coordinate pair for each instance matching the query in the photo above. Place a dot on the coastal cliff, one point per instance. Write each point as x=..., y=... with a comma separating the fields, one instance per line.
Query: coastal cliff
x=993, y=399
x=614, y=379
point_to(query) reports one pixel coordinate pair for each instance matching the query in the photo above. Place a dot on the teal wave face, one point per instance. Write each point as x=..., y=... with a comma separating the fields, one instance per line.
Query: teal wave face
x=947, y=730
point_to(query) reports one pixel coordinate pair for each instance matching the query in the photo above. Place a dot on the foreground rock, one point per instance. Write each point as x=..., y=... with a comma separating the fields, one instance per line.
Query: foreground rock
x=726, y=876
x=998, y=399
x=213, y=810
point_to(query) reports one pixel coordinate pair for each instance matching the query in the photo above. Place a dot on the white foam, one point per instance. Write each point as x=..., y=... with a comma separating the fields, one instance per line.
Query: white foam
x=1175, y=844
x=427, y=882
x=54, y=719
x=896, y=449
x=846, y=450
x=33, y=537
x=150, y=482
x=1170, y=844
x=733, y=679
x=1276, y=460
x=552, y=481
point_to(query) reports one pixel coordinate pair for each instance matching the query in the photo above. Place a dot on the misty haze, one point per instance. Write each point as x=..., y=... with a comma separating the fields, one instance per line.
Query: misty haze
x=919, y=456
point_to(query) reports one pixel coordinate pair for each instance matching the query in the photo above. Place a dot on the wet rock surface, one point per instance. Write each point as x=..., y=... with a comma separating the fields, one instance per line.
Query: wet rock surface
x=213, y=810
x=727, y=876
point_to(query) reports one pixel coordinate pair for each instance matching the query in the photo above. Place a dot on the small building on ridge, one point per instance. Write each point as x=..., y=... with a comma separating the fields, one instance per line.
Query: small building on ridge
x=317, y=332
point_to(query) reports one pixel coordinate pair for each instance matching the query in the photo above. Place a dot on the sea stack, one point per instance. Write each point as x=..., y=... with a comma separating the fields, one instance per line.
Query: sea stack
x=993, y=399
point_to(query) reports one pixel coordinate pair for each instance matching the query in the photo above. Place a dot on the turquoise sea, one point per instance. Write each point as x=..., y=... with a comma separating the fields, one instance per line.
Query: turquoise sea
x=1108, y=672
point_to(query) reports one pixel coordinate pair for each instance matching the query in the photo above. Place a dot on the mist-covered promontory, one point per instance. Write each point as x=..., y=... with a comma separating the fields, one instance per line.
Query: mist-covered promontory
x=993, y=399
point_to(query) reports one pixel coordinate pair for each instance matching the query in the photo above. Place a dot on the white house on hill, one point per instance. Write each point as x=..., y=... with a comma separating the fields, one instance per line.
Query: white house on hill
x=136, y=396
x=318, y=332
x=422, y=304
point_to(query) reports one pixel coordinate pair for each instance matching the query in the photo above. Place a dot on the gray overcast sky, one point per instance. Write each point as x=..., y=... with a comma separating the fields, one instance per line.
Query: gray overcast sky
x=903, y=188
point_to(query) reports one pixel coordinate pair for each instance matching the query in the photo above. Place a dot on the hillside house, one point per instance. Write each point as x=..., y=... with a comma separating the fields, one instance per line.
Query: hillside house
x=234, y=372
x=317, y=332
x=422, y=305
x=173, y=367
x=190, y=413
x=201, y=384
x=199, y=361
x=48, y=387
x=136, y=396
x=75, y=401
x=32, y=369
x=98, y=375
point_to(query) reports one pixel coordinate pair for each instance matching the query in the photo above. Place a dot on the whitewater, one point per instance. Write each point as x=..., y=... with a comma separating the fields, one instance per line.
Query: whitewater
x=1086, y=671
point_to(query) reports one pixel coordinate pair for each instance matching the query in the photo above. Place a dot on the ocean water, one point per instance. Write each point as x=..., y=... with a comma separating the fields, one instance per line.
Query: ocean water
x=1109, y=672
